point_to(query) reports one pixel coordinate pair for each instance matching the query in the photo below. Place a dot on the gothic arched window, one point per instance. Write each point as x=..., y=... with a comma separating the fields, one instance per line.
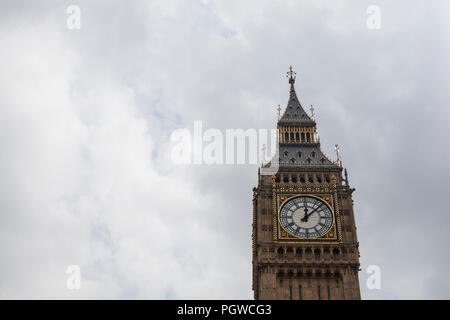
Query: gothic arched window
x=280, y=252
x=317, y=254
x=308, y=252
x=335, y=254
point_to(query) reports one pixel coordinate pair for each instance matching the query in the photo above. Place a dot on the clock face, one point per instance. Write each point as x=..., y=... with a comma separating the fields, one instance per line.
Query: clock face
x=306, y=217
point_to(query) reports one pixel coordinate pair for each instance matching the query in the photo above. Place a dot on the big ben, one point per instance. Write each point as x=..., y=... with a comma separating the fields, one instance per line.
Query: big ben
x=304, y=233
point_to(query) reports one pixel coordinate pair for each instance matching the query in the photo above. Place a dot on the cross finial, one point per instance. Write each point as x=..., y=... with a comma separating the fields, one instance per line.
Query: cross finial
x=279, y=112
x=313, y=116
x=291, y=75
x=264, y=148
x=336, y=149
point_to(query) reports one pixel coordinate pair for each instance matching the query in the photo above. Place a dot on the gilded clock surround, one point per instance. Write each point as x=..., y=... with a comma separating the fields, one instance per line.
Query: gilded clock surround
x=329, y=198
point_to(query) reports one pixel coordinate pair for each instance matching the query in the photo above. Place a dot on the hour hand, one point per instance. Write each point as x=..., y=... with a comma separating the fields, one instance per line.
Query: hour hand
x=305, y=217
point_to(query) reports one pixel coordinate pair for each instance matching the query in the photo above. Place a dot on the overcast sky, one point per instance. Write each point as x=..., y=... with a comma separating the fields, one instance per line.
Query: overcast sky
x=86, y=117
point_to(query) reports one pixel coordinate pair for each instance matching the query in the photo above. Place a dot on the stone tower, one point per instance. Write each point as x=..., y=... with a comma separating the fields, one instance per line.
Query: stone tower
x=304, y=233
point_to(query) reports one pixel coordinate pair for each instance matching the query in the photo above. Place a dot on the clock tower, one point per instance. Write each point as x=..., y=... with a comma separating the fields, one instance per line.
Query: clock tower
x=304, y=233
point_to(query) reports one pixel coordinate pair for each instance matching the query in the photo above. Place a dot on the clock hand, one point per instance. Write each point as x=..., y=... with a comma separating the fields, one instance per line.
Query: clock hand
x=305, y=217
x=314, y=211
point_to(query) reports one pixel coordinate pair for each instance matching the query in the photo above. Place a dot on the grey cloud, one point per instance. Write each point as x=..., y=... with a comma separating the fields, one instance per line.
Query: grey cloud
x=96, y=178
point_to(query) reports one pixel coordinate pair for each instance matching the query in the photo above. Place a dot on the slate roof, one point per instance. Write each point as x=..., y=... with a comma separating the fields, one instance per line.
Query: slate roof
x=298, y=156
x=294, y=112
x=302, y=156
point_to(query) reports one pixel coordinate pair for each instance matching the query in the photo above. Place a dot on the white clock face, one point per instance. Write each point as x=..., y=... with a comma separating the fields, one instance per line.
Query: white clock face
x=306, y=217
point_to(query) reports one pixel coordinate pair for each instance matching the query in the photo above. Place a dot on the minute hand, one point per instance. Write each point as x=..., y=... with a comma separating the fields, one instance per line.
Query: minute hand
x=308, y=214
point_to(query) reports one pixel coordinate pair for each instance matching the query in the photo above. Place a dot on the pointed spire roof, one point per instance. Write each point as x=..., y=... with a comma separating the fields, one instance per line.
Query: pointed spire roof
x=294, y=111
x=296, y=151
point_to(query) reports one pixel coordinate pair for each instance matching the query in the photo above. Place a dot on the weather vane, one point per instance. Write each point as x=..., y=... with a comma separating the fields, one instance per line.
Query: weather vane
x=291, y=75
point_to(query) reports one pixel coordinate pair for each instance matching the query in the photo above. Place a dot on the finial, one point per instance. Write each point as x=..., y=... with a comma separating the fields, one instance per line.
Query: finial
x=336, y=149
x=346, y=177
x=291, y=75
x=313, y=116
x=279, y=112
x=264, y=148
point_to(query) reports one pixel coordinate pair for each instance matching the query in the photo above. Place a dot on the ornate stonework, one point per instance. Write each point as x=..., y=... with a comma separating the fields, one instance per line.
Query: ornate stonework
x=319, y=265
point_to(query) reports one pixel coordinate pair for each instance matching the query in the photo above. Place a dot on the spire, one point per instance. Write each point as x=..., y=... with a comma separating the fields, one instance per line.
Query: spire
x=294, y=111
x=298, y=140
